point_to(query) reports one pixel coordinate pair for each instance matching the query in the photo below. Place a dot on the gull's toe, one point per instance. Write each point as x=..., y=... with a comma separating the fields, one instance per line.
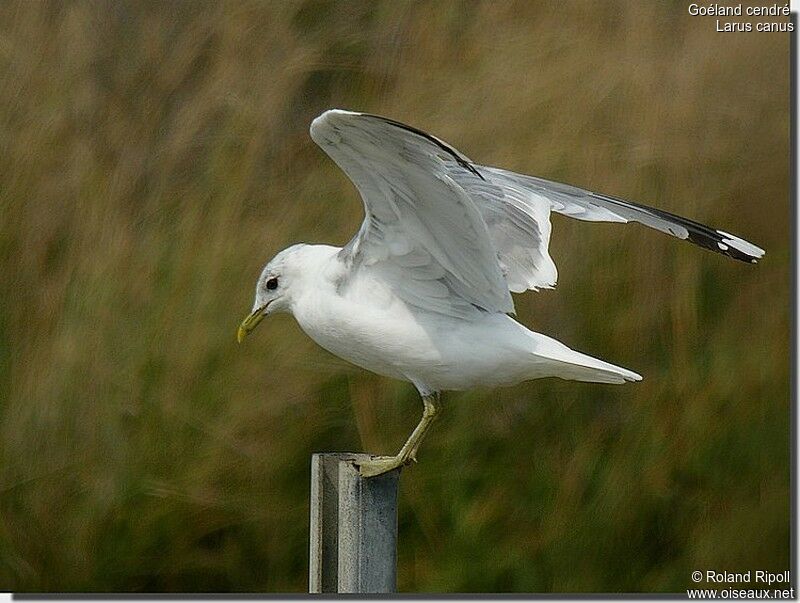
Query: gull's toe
x=378, y=465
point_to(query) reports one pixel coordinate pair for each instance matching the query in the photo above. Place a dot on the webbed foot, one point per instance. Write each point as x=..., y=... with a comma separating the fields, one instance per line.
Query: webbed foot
x=378, y=465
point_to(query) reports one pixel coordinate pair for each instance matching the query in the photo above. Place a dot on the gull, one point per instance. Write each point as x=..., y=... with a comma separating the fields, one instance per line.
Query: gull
x=422, y=292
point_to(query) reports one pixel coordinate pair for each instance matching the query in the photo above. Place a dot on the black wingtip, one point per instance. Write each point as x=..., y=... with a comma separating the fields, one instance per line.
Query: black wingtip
x=701, y=235
x=716, y=242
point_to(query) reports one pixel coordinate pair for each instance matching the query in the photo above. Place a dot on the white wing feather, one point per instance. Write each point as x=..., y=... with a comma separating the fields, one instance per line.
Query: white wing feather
x=518, y=221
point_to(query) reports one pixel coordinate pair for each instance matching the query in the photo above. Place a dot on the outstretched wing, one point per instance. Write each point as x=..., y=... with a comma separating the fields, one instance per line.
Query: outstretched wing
x=585, y=205
x=517, y=209
x=449, y=227
x=422, y=233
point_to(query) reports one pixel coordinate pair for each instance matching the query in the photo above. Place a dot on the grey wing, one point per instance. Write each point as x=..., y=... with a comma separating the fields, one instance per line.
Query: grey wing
x=422, y=233
x=457, y=228
x=595, y=207
x=516, y=209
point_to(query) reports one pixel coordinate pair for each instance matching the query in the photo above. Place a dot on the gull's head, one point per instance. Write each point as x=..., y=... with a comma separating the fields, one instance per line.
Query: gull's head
x=274, y=288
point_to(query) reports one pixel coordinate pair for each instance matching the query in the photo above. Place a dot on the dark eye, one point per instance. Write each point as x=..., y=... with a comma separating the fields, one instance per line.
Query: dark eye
x=272, y=283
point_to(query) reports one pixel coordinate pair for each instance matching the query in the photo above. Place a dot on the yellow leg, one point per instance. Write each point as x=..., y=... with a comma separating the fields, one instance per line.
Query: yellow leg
x=408, y=453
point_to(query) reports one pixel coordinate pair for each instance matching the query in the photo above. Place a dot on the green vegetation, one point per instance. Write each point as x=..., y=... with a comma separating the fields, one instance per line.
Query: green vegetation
x=153, y=156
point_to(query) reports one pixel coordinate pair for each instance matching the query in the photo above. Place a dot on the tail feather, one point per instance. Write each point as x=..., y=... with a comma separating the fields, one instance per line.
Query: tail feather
x=564, y=362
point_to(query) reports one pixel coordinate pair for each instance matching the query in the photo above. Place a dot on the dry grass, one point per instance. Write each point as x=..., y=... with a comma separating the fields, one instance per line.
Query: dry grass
x=155, y=155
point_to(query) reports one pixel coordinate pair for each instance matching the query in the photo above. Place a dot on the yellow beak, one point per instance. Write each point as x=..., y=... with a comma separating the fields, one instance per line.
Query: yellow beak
x=249, y=323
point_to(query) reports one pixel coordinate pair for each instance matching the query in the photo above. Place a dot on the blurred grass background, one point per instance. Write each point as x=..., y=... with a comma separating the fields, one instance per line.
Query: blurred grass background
x=153, y=156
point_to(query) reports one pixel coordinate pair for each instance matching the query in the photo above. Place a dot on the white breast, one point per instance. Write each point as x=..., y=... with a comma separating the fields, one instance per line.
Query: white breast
x=368, y=326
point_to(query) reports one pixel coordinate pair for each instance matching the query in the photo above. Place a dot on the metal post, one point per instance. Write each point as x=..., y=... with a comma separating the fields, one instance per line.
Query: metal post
x=353, y=527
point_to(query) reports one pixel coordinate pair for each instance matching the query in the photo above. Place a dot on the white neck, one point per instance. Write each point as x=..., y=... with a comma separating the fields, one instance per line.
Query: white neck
x=311, y=268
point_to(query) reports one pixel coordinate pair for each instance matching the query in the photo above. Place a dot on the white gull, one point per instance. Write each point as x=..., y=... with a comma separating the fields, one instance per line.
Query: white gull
x=422, y=292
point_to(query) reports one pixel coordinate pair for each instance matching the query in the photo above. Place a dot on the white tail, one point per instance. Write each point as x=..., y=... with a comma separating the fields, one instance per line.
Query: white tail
x=556, y=359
